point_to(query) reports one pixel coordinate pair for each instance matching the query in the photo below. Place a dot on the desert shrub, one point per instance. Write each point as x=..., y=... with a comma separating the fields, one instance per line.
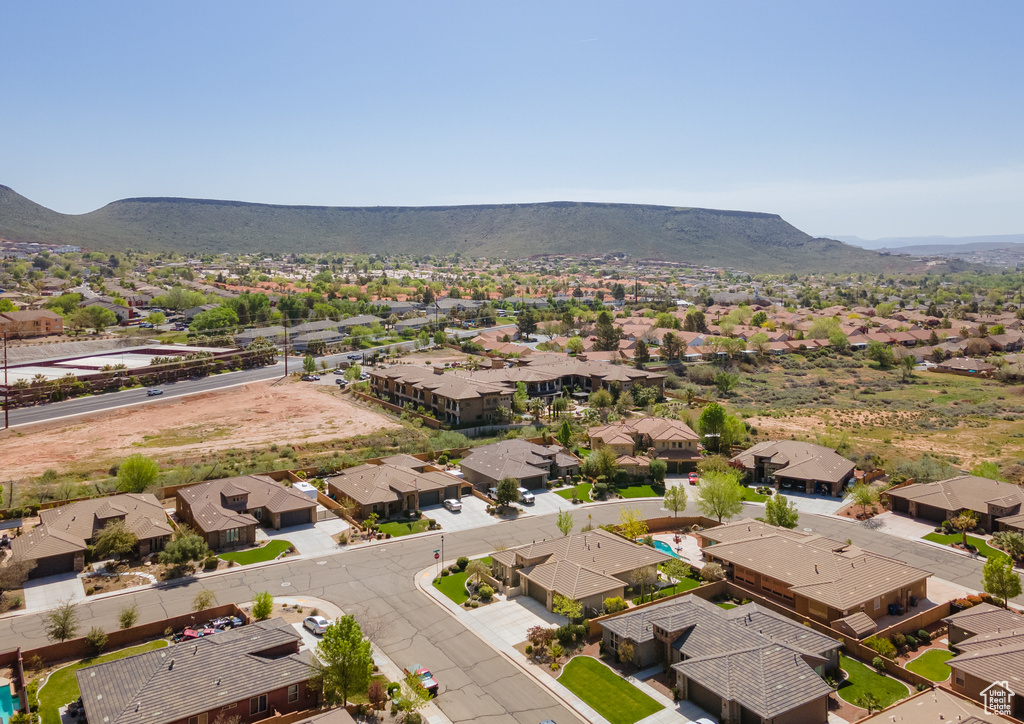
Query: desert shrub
x=899, y=640
x=712, y=572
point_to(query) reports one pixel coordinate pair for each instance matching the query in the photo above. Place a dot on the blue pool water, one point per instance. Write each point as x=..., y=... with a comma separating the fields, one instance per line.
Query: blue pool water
x=665, y=548
x=8, y=703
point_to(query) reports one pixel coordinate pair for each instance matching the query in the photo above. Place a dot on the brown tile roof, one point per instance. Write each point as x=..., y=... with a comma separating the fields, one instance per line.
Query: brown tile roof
x=171, y=684
x=963, y=491
x=39, y=542
x=208, y=501
x=994, y=663
x=936, y=706
x=800, y=460
x=985, y=618
x=143, y=515
x=598, y=550
x=823, y=570
x=571, y=579
x=369, y=484
x=515, y=458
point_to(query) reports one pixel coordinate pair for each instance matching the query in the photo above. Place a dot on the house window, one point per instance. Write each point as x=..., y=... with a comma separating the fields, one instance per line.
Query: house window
x=229, y=706
x=959, y=678
x=201, y=719
x=258, y=514
x=231, y=536
x=258, y=704
x=293, y=692
x=878, y=603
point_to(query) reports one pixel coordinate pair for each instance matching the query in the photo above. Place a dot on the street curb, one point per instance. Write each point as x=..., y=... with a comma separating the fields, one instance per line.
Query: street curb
x=424, y=574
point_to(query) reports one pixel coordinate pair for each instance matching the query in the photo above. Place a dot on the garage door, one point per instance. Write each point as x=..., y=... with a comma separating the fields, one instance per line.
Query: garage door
x=54, y=564
x=431, y=498
x=297, y=517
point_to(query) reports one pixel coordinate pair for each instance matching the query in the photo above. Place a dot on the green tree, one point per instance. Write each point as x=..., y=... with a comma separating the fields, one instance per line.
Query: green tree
x=136, y=473
x=601, y=400
x=567, y=607
x=115, y=539
x=882, y=354
x=711, y=425
x=156, y=318
x=675, y=499
x=632, y=523
x=641, y=355
x=527, y=322
x=676, y=569
x=607, y=334
x=185, y=548
x=780, y=511
x=614, y=605
x=726, y=382
x=94, y=317
x=345, y=660
x=219, y=319
x=507, y=492
x=97, y=640
x=61, y=623
x=565, y=522
x=907, y=364
x=1000, y=579
x=564, y=435
x=353, y=372
x=719, y=494
x=439, y=338
x=658, y=468
x=262, y=606
x=863, y=495
x=966, y=520
x=128, y=615
x=574, y=345
x=203, y=600
x=308, y=364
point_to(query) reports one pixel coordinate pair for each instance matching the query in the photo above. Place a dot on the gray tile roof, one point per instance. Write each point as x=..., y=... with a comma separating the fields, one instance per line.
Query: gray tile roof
x=985, y=618
x=170, y=684
x=369, y=484
x=963, y=491
x=800, y=460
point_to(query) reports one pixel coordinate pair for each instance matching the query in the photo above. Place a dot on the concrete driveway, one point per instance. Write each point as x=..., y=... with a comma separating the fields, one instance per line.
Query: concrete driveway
x=510, y=619
x=546, y=502
x=45, y=593
x=473, y=515
x=310, y=540
x=817, y=504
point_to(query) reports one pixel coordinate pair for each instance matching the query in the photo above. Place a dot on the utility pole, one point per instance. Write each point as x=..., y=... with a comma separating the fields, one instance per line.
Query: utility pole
x=7, y=390
x=286, y=346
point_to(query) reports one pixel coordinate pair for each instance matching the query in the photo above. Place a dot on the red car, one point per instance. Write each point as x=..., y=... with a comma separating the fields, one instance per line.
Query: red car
x=427, y=680
x=694, y=478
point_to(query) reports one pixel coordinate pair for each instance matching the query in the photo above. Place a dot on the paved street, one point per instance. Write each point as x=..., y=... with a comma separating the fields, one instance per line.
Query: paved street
x=376, y=583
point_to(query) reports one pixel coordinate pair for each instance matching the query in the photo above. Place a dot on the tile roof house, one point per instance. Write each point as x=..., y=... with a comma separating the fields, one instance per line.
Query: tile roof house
x=586, y=567
x=252, y=672
x=531, y=464
x=807, y=467
x=453, y=399
x=31, y=323
x=966, y=366
x=673, y=441
x=935, y=706
x=998, y=506
x=747, y=664
x=816, y=576
x=989, y=642
x=59, y=542
x=401, y=483
x=226, y=511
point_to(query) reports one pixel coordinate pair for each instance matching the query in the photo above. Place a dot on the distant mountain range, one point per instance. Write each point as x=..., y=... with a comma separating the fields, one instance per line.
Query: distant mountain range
x=755, y=242
x=939, y=244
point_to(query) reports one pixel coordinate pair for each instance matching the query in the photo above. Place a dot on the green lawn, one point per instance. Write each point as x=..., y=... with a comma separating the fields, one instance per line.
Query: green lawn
x=686, y=584
x=582, y=492
x=726, y=606
x=606, y=692
x=257, y=555
x=863, y=679
x=984, y=549
x=399, y=528
x=638, y=491
x=62, y=686
x=751, y=495
x=932, y=664
x=454, y=584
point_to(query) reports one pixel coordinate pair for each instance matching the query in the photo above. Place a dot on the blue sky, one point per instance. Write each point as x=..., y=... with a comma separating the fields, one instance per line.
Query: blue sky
x=863, y=118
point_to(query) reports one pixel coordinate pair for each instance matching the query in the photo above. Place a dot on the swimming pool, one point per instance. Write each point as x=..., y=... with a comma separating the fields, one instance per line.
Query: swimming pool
x=665, y=548
x=8, y=703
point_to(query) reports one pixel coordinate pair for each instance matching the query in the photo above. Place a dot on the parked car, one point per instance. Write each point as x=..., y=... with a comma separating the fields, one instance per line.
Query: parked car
x=526, y=496
x=339, y=371
x=316, y=624
x=355, y=356
x=453, y=505
x=146, y=325
x=694, y=478
x=427, y=680
x=340, y=382
x=310, y=378
x=154, y=391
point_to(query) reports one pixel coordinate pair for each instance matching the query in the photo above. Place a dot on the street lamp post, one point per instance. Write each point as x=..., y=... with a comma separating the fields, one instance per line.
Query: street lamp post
x=442, y=550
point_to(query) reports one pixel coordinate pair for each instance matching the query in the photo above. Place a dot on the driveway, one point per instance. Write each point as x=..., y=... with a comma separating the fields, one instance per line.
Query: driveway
x=817, y=504
x=510, y=619
x=547, y=502
x=310, y=540
x=473, y=515
x=47, y=592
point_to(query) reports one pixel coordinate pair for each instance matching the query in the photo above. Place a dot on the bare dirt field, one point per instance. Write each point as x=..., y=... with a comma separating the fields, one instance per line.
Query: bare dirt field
x=250, y=416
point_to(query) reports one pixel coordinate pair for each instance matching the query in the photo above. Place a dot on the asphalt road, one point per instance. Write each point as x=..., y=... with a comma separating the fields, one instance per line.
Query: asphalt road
x=113, y=400
x=375, y=583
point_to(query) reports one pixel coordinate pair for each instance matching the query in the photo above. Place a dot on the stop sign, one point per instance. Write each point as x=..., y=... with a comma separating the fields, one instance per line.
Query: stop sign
x=436, y=556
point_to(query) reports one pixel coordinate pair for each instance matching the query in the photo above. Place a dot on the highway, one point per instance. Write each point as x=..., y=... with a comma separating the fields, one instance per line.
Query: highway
x=375, y=583
x=49, y=411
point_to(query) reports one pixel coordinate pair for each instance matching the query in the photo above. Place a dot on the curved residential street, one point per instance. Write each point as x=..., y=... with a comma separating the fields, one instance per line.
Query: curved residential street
x=376, y=584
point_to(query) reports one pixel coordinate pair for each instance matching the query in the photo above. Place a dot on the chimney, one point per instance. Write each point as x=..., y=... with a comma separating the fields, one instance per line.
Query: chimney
x=497, y=363
x=439, y=370
x=815, y=567
x=581, y=357
x=170, y=666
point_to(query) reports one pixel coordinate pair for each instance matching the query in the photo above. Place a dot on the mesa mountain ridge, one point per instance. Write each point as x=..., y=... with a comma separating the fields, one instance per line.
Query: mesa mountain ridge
x=755, y=242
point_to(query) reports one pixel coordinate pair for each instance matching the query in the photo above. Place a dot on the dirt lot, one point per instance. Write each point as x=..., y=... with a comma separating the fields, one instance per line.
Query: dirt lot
x=249, y=416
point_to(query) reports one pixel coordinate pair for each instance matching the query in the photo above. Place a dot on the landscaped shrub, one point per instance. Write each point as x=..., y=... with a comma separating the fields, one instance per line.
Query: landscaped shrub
x=899, y=640
x=614, y=605
x=881, y=645
x=912, y=643
x=486, y=592
x=529, y=648
x=462, y=562
x=878, y=663
x=445, y=572
x=712, y=572
x=924, y=636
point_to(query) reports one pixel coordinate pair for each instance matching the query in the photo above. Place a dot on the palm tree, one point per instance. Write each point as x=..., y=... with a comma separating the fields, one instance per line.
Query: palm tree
x=964, y=522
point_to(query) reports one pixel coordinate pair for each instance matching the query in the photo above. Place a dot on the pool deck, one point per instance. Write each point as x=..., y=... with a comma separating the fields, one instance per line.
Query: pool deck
x=687, y=549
